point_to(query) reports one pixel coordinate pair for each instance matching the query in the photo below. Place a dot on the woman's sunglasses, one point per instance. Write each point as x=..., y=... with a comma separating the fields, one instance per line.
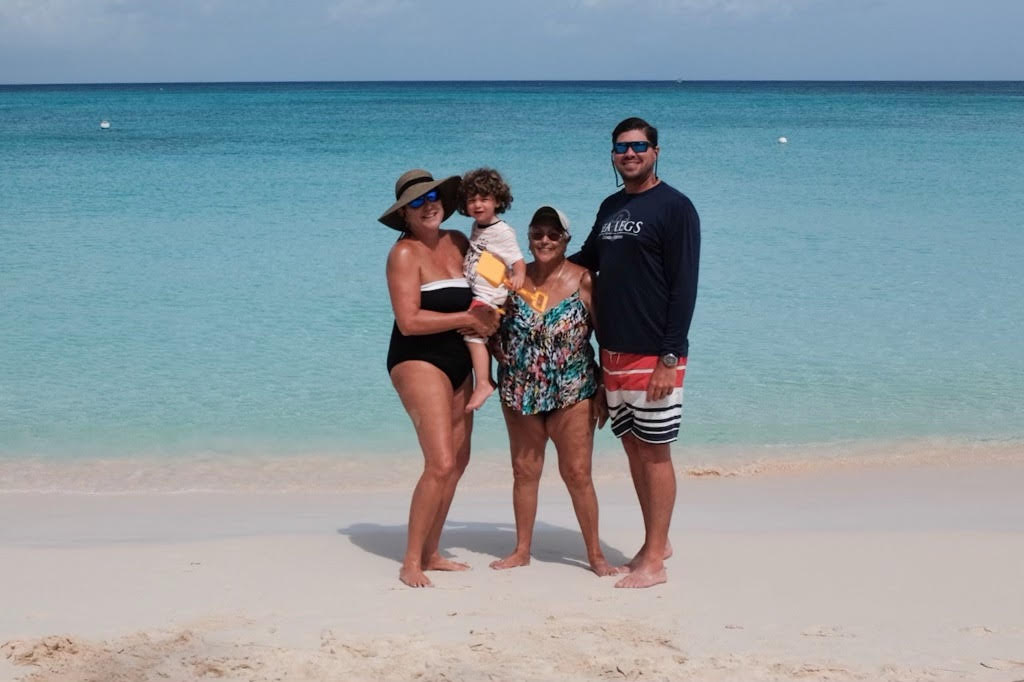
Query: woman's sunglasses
x=430, y=196
x=639, y=147
x=538, y=234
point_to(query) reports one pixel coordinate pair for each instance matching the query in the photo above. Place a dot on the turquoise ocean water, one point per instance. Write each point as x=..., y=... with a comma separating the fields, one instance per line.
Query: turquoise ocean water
x=207, y=276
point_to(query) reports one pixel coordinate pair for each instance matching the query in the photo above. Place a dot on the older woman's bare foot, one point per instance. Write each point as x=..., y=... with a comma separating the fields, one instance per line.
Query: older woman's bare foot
x=513, y=560
x=601, y=567
x=436, y=562
x=414, y=577
x=644, y=575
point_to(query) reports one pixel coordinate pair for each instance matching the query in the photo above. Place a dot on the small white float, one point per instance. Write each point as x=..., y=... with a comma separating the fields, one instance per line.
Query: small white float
x=105, y=125
x=783, y=140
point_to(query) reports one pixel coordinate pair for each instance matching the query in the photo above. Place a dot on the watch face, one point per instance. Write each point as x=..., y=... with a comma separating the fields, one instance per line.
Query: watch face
x=669, y=360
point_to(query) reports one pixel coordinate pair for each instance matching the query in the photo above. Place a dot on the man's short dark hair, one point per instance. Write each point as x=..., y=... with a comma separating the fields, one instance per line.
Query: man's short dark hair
x=634, y=123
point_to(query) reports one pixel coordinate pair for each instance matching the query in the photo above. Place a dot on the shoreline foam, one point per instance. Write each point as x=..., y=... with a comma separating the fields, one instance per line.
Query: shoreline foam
x=356, y=472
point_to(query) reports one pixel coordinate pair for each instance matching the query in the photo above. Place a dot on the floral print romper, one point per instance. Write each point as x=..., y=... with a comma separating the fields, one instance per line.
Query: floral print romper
x=549, y=362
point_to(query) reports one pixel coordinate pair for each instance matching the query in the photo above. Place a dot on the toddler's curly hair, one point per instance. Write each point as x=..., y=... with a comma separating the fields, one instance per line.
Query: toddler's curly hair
x=485, y=182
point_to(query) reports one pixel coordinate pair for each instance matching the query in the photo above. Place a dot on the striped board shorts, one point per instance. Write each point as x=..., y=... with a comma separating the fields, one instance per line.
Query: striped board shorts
x=626, y=376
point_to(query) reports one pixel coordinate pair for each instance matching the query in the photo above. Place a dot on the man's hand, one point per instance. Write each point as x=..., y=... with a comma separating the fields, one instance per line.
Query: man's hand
x=663, y=381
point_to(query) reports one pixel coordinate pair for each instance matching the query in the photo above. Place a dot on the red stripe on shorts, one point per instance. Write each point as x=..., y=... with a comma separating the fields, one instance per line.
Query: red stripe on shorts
x=632, y=372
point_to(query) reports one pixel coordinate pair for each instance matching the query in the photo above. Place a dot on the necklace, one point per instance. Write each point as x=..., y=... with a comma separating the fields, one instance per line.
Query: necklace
x=556, y=275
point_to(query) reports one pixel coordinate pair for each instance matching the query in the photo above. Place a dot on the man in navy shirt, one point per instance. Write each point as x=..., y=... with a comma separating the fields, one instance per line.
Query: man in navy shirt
x=645, y=246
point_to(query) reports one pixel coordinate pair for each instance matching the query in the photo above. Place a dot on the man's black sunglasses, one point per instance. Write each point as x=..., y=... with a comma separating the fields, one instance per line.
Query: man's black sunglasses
x=639, y=147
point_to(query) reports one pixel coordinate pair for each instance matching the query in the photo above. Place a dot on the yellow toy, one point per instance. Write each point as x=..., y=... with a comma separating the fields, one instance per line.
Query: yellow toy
x=492, y=269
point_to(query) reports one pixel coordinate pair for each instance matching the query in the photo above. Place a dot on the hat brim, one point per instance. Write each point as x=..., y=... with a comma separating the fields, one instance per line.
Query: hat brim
x=551, y=214
x=448, y=188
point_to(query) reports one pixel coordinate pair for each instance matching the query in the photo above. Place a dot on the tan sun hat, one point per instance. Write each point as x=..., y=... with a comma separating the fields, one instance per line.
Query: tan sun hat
x=416, y=183
x=551, y=214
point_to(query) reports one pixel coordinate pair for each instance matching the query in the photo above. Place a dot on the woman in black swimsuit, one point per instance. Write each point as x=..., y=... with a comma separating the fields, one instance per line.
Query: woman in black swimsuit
x=427, y=359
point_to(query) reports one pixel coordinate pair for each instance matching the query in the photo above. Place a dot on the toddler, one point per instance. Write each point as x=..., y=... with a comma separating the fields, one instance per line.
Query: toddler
x=483, y=195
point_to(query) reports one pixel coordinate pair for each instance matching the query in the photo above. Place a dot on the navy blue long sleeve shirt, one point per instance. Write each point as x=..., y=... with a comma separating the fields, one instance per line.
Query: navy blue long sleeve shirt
x=646, y=250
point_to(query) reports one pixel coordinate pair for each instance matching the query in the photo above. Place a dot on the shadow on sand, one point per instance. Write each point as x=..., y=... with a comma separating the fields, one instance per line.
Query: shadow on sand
x=552, y=544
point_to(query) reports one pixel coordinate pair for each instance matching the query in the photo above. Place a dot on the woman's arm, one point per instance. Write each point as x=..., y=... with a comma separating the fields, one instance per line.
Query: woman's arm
x=403, y=273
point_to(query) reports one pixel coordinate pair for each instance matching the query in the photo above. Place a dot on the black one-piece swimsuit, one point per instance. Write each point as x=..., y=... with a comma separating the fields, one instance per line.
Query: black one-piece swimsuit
x=446, y=350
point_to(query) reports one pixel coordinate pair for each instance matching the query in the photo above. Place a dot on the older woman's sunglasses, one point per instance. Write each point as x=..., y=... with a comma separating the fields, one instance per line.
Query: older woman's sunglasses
x=536, y=234
x=639, y=146
x=430, y=196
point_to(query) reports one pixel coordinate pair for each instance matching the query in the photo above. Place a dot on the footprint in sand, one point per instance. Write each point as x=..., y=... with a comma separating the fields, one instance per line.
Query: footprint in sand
x=327, y=642
x=818, y=672
x=979, y=630
x=38, y=652
x=829, y=631
x=209, y=669
x=1001, y=664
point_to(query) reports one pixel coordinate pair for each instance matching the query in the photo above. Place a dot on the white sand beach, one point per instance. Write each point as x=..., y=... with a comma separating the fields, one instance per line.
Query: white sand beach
x=857, y=572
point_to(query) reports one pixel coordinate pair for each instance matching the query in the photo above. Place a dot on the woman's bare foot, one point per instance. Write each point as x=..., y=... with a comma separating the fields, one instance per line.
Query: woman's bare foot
x=513, y=560
x=646, y=574
x=481, y=393
x=413, y=576
x=601, y=567
x=436, y=562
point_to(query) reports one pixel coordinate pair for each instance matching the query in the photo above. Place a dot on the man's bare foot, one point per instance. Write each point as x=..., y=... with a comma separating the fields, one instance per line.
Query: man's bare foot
x=640, y=557
x=644, y=575
x=436, y=562
x=481, y=393
x=601, y=567
x=414, y=577
x=513, y=560
x=635, y=561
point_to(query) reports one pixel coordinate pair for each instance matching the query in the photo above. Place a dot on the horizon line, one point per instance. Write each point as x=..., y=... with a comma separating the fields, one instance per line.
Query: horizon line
x=680, y=81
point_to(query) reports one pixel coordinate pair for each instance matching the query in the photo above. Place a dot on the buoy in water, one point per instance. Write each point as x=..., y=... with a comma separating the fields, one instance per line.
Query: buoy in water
x=105, y=125
x=783, y=140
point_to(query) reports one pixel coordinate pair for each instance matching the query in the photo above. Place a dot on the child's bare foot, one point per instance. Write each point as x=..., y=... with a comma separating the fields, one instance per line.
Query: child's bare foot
x=413, y=576
x=436, y=562
x=513, y=560
x=481, y=393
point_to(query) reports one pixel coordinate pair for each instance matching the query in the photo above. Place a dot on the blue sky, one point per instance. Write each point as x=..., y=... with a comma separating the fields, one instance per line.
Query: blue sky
x=85, y=41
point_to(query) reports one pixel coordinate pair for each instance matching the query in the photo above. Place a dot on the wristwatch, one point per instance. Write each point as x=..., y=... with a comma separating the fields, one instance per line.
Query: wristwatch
x=670, y=359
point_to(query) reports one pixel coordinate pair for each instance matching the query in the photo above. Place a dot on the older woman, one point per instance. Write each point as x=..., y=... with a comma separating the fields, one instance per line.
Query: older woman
x=548, y=387
x=427, y=359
